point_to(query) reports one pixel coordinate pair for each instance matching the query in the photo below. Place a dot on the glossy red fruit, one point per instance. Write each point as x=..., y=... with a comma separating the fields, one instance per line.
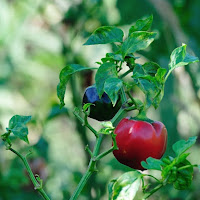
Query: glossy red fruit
x=138, y=140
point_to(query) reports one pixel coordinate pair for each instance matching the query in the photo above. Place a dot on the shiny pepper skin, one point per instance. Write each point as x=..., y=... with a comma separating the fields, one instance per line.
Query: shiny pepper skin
x=102, y=109
x=138, y=140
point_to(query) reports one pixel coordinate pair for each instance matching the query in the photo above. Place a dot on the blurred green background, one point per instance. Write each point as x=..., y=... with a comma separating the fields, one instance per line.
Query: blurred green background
x=37, y=39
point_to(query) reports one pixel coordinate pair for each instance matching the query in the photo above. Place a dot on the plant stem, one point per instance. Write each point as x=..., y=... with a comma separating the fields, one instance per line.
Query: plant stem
x=114, y=147
x=118, y=115
x=186, y=167
x=81, y=184
x=168, y=73
x=94, y=155
x=152, y=177
x=123, y=96
x=86, y=124
x=100, y=156
x=37, y=186
x=153, y=190
x=90, y=170
x=131, y=108
x=125, y=74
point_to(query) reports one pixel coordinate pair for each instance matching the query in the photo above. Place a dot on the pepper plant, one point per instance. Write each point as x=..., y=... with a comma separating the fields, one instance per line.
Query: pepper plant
x=137, y=141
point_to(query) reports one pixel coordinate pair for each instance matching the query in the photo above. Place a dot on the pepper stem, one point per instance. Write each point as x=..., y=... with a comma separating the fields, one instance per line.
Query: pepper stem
x=142, y=116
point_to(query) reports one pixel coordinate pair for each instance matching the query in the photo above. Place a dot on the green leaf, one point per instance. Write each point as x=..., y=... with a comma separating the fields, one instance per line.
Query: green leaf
x=112, y=87
x=138, y=72
x=142, y=25
x=184, y=176
x=118, y=57
x=65, y=75
x=107, y=124
x=110, y=188
x=18, y=119
x=86, y=106
x=112, y=57
x=107, y=129
x=104, y=35
x=160, y=79
x=150, y=88
x=137, y=41
x=150, y=68
x=160, y=75
x=17, y=125
x=171, y=164
x=180, y=57
x=178, y=171
x=181, y=157
x=105, y=71
x=126, y=186
x=150, y=79
x=21, y=131
x=166, y=173
x=182, y=145
x=152, y=163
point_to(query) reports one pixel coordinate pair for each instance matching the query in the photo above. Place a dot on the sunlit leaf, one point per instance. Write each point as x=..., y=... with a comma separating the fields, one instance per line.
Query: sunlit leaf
x=65, y=75
x=150, y=79
x=112, y=87
x=17, y=125
x=180, y=57
x=110, y=188
x=182, y=145
x=105, y=71
x=137, y=41
x=126, y=186
x=104, y=35
x=142, y=25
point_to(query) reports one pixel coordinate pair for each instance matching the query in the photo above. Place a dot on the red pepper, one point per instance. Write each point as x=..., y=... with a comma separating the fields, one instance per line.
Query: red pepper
x=137, y=140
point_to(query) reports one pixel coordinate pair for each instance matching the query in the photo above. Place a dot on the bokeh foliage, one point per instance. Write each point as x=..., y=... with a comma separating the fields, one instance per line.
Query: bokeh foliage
x=39, y=38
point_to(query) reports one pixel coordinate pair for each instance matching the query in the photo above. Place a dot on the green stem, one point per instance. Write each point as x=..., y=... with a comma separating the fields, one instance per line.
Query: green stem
x=123, y=96
x=88, y=150
x=186, y=167
x=125, y=74
x=168, y=73
x=153, y=191
x=152, y=177
x=114, y=147
x=90, y=170
x=81, y=184
x=100, y=156
x=131, y=108
x=143, y=185
x=132, y=99
x=86, y=124
x=142, y=116
x=118, y=116
x=94, y=155
x=37, y=186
